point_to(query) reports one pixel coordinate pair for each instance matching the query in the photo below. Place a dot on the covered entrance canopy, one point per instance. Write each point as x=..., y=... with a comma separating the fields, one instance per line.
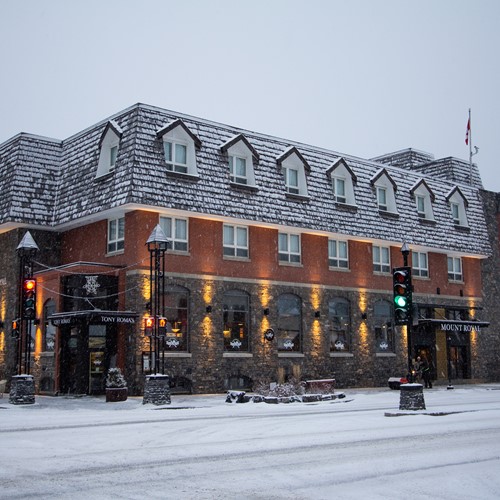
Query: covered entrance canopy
x=90, y=342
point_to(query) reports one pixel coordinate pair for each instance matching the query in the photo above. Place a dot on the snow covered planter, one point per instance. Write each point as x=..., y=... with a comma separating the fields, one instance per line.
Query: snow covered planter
x=116, y=386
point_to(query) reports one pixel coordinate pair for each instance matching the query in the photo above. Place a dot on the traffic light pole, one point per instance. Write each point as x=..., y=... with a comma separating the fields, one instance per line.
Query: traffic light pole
x=406, y=251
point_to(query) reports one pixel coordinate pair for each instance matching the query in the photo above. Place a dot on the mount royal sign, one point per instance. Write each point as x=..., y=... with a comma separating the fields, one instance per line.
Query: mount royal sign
x=460, y=327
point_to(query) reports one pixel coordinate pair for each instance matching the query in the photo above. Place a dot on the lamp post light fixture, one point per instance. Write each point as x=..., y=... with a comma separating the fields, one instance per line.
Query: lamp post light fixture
x=26, y=250
x=157, y=246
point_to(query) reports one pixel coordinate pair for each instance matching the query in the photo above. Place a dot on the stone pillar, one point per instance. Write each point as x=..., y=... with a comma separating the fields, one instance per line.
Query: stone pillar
x=411, y=397
x=22, y=390
x=157, y=390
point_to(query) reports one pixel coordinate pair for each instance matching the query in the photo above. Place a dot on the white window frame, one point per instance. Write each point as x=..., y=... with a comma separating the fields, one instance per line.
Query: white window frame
x=116, y=235
x=420, y=264
x=338, y=254
x=339, y=194
x=232, y=246
x=382, y=198
x=176, y=230
x=291, y=181
x=235, y=176
x=172, y=163
x=285, y=253
x=381, y=259
x=385, y=192
x=423, y=202
x=455, y=269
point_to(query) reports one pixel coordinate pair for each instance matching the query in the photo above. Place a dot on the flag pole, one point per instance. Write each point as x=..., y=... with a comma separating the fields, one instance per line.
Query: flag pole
x=469, y=132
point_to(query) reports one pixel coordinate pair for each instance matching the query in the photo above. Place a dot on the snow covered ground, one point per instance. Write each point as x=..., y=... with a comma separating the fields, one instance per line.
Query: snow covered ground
x=200, y=447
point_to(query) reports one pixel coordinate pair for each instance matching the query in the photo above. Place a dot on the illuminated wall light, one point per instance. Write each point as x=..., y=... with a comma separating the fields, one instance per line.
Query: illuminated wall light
x=265, y=296
x=315, y=297
x=2, y=341
x=208, y=292
x=362, y=302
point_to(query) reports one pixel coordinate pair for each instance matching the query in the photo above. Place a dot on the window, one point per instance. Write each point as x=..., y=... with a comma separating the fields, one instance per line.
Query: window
x=238, y=170
x=241, y=156
x=342, y=180
x=235, y=241
x=382, y=198
x=385, y=191
x=116, y=235
x=420, y=265
x=49, y=330
x=458, y=207
x=236, y=321
x=177, y=314
x=383, y=326
x=291, y=179
x=176, y=230
x=289, y=335
x=455, y=269
x=337, y=254
x=294, y=168
x=338, y=187
x=179, y=148
x=175, y=156
x=340, y=328
x=424, y=198
x=381, y=259
x=108, y=146
x=113, y=153
x=289, y=248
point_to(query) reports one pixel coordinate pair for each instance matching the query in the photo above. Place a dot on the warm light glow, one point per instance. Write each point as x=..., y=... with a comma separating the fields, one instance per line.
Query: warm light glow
x=2, y=341
x=363, y=337
x=362, y=301
x=208, y=292
x=265, y=296
x=316, y=338
x=206, y=326
x=315, y=297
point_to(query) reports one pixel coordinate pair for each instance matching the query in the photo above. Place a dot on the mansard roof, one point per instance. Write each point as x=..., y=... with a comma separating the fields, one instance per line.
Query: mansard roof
x=53, y=184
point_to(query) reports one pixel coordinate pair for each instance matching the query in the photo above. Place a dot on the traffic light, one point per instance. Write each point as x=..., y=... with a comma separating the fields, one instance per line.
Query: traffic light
x=29, y=298
x=15, y=329
x=149, y=325
x=162, y=326
x=402, y=295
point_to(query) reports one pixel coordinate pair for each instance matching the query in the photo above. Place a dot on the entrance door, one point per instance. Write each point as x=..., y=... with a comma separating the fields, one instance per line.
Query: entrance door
x=74, y=353
x=459, y=362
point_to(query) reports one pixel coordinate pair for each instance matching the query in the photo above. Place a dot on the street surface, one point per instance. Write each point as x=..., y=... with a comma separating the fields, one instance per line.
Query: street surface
x=206, y=449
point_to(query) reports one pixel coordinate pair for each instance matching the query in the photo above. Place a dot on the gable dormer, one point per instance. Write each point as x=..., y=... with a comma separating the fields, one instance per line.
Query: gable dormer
x=458, y=206
x=342, y=180
x=424, y=198
x=241, y=159
x=294, y=168
x=385, y=191
x=108, y=148
x=179, y=148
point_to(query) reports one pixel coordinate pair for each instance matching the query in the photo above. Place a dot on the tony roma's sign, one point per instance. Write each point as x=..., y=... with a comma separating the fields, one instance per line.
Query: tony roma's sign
x=94, y=318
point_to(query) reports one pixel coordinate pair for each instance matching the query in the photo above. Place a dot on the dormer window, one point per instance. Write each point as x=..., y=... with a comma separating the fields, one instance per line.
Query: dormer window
x=179, y=148
x=424, y=198
x=385, y=189
x=458, y=207
x=241, y=157
x=175, y=156
x=294, y=168
x=108, y=146
x=342, y=180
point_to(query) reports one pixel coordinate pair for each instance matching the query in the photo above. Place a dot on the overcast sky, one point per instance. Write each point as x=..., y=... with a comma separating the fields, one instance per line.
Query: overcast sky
x=362, y=77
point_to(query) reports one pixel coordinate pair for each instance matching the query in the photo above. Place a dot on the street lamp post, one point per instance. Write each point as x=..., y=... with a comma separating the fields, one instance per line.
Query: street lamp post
x=26, y=250
x=157, y=246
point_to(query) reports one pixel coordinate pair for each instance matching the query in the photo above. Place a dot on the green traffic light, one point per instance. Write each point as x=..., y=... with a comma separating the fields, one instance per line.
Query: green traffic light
x=401, y=301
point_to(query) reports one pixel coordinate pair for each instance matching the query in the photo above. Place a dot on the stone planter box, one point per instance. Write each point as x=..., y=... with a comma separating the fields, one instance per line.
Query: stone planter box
x=115, y=394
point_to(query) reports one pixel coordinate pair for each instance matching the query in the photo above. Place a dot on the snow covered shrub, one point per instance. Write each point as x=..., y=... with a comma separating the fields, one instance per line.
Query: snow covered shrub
x=115, y=379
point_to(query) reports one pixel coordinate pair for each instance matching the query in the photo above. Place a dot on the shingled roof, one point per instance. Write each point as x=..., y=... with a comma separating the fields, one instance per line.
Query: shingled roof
x=66, y=190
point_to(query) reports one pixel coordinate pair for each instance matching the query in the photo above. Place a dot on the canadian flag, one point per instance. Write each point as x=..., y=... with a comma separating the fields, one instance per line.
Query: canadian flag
x=467, y=132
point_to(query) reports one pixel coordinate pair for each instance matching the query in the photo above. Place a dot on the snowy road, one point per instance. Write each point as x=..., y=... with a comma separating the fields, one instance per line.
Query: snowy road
x=216, y=451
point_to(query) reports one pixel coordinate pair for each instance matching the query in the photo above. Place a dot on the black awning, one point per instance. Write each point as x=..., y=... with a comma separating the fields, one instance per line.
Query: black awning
x=455, y=325
x=95, y=317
